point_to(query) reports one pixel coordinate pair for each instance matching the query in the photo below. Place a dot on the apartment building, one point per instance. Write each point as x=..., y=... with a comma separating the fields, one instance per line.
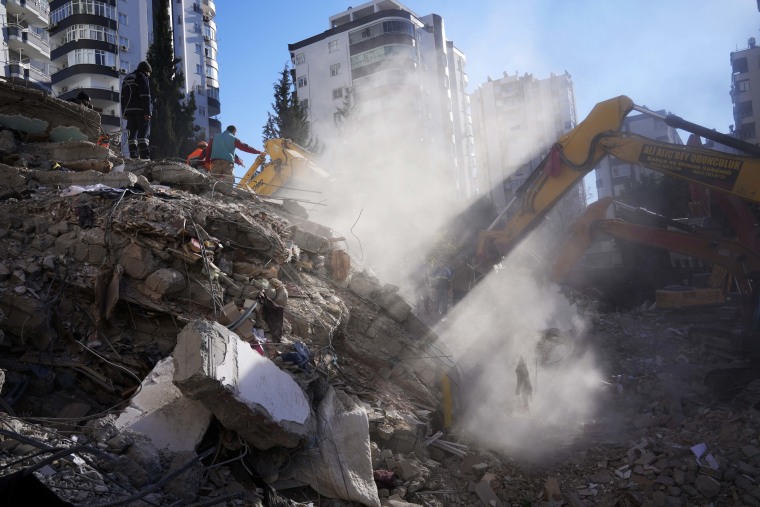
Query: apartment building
x=516, y=120
x=25, y=52
x=745, y=91
x=95, y=43
x=405, y=78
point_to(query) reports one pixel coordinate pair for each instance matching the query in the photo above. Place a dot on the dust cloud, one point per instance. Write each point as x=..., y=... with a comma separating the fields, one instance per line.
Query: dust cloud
x=391, y=205
x=391, y=188
x=502, y=319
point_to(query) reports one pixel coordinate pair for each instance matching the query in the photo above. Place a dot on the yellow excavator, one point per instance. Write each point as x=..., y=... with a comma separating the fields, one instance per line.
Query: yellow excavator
x=599, y=136
x=289, y=172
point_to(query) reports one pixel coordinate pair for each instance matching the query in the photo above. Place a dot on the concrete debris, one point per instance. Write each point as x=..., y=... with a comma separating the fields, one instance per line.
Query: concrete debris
x=167, y=339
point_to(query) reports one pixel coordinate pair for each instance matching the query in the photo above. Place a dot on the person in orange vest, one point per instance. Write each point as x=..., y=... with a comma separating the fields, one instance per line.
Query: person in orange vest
x=197, y=158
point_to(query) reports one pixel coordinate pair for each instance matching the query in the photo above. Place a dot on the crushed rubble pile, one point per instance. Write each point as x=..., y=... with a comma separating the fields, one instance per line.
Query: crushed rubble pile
x=167, y=339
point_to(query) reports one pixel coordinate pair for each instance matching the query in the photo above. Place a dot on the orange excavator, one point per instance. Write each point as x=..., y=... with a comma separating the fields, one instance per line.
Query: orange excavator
x=733, y=264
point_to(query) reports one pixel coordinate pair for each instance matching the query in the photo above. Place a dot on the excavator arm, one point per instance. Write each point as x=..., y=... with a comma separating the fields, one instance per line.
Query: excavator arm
x=290, y=167
x=596, y=137
x=569, y=160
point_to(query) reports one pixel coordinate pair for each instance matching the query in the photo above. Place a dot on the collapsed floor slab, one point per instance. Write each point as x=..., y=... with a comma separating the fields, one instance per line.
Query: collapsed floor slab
x=246, y=391
x=160, y=412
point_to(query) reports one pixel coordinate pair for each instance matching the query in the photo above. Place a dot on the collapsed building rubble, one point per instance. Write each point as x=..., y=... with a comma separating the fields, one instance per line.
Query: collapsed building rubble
x=168, y=339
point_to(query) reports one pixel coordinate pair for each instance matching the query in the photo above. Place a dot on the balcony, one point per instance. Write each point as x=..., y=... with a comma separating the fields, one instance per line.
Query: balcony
x=36, y=12
x=22, y=38
x=209, y=7
x=214, y=107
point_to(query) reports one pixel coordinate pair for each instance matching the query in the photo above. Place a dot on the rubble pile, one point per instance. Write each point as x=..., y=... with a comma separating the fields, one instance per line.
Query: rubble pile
x=167, y=339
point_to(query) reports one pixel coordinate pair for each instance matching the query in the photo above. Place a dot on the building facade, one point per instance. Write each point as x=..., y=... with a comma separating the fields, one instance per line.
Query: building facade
x=95, y=43
x=26, y=45
x=401, y=72
x=516, y=121
x=745, y=91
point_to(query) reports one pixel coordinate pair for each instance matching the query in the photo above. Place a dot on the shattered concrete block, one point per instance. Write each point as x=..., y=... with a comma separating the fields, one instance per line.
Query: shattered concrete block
x=309, y=241
x=364, y=285
x=70, y=151
x=162, y=413
x=7, y=142
x=64, y=180
x=230, y=313
x=395, y=305
x=138, y=262
x=30, y=110
x=247, y=392
x=166, y=281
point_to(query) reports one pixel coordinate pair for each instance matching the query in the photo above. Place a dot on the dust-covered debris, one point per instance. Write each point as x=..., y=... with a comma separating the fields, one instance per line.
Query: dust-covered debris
x=170, y=340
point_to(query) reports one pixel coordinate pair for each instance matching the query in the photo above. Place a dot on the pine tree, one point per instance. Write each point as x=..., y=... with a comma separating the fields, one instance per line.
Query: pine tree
x=172, y=127
x=288, y=120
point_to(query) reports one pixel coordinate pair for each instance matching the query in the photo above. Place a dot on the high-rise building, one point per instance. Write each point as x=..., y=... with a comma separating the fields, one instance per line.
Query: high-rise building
x=95, y=43
x=516, y=121
x=26, y=48
x=745, y=91
x=399, y=68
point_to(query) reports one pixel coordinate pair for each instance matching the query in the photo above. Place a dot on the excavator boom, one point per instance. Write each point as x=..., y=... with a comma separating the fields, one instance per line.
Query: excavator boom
x=581, y=149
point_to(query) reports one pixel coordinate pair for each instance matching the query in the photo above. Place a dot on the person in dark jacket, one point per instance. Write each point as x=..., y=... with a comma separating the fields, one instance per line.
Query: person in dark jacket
x=137, y=109
x=221, y=157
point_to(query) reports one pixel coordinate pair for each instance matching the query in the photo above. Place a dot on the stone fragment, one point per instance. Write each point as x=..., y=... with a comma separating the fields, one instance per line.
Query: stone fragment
x=246, y=391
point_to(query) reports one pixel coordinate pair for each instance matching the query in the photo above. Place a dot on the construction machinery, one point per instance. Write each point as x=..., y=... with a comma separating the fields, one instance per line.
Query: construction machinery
x=733, y=264
x=599, y=136
x=289, y=172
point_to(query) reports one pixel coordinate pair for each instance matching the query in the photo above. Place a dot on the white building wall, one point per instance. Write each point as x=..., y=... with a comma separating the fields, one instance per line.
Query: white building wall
x=516, y=120
x=414, y=88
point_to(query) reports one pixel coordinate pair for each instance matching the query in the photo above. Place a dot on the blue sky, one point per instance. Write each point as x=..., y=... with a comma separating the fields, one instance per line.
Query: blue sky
x=664, y=54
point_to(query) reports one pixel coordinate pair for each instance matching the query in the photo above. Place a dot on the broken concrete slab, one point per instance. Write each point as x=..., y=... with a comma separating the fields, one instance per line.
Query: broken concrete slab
x=37, y=114
x=246, y=391
x=161, y=412
x=72, y=151
x=341, y=466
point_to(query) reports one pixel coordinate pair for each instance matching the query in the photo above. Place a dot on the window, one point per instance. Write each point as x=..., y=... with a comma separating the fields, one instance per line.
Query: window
x=332, y=46
x=299, y=59
x=302, y=81
x=198, y=68
x=740, y=65
x=123, y=19
x=197, y=48
x=335, y=70
x=304, y=104
x=91, y=56
x=748, y=131
x=179, y=19
x=201, y=111
x=123, y=42
x=742, y=86
x=744, y=109
x=196, y=7
x=337, y=93
x=196, y=27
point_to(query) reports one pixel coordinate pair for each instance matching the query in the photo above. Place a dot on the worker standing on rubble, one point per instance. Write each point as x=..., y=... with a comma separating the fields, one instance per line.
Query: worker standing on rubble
x=137, y=108
x=524, y=388
x=197, y=158
x=221, y=154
